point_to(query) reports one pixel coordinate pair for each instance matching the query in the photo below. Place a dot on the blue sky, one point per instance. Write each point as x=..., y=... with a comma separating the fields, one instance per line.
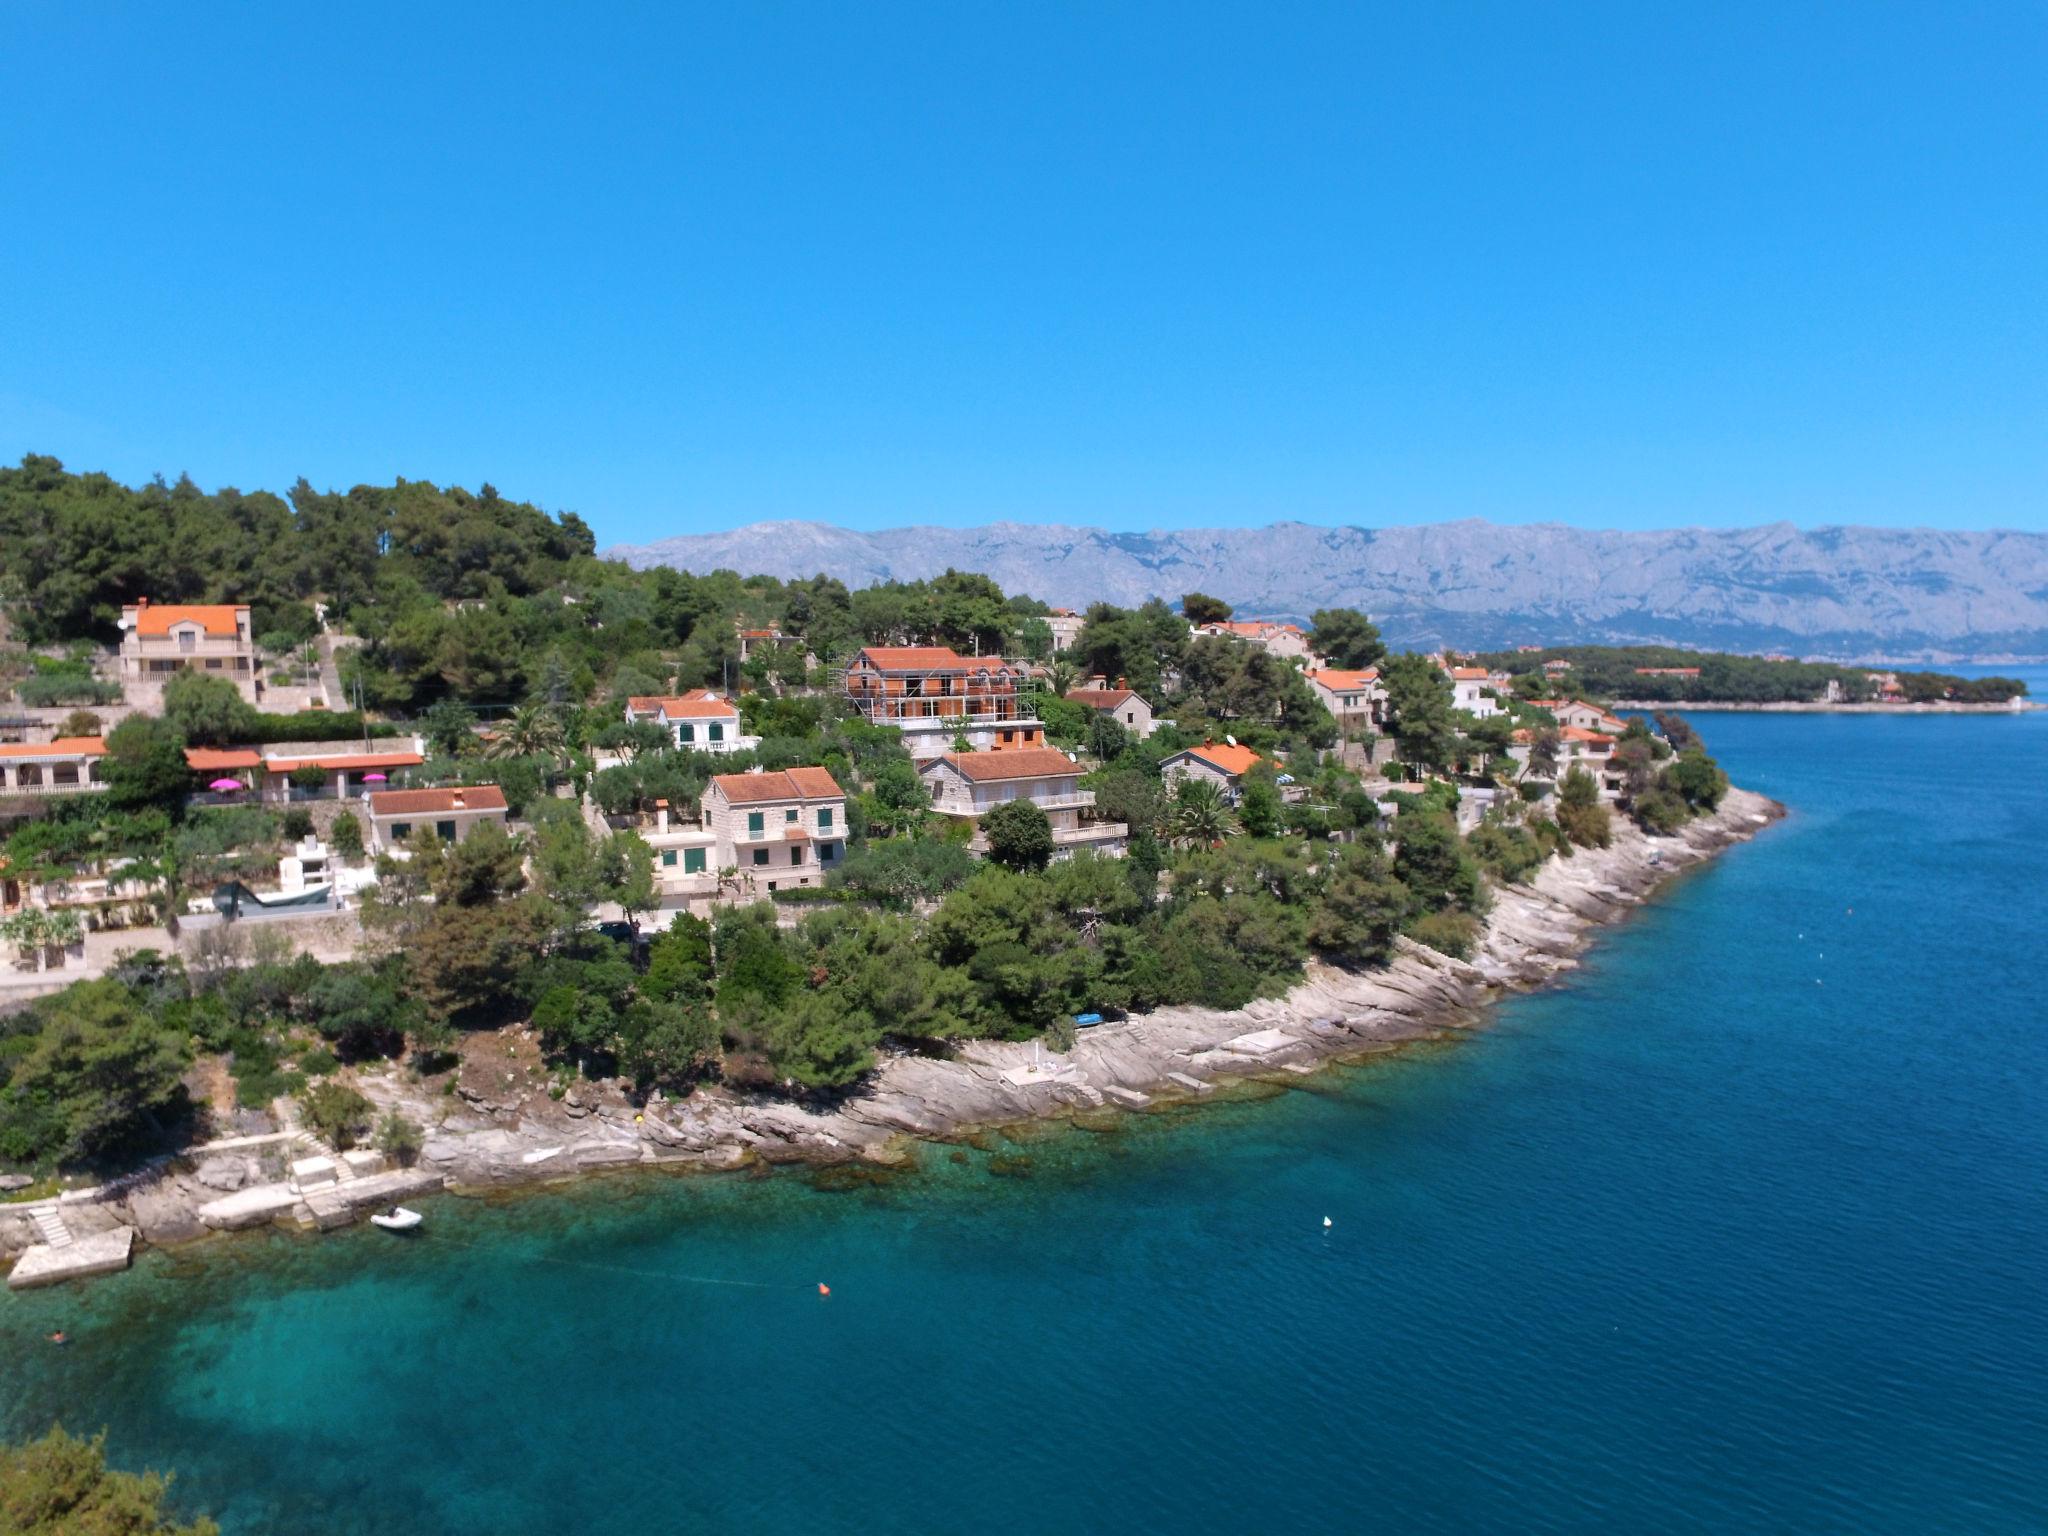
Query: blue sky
x=683, y=268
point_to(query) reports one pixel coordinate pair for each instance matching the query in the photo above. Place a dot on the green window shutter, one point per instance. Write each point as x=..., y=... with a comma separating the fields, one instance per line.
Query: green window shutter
x=757, y=821
x=686, y=732
x=668, y=858
x=693, y=861
x=825, y=818
x=717, y=731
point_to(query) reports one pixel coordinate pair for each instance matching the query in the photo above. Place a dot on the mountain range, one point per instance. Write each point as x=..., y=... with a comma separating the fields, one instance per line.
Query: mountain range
x=1845, y=593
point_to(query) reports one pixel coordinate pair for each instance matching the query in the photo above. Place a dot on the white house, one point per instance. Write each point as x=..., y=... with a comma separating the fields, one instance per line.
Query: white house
x=779, y=829
x=1468, y=685
x=1356, y=698
x=451, y=814
x=160, y=640
x=971, y=784
x=700, y=721
x=1286, y=641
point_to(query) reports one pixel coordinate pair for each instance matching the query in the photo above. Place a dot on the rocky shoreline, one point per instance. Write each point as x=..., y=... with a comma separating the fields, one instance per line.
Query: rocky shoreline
x=505, y=1125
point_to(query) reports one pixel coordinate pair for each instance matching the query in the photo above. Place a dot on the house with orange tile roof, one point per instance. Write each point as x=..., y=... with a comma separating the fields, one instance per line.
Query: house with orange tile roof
x=935, y=696
x=1356, y=697
x=777, y=828
x=1469, y=687
x=1223, y=764
x=160, y=640
x=336, y=770
x=968, y=785
x=1590, y=717
x=451, y=813
x=1577, y=747
x=1126, y=708
x=702, y=720
x=70, y=765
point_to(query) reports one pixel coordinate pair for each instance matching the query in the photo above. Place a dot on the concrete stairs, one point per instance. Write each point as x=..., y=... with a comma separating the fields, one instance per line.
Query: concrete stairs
x=50, y=1224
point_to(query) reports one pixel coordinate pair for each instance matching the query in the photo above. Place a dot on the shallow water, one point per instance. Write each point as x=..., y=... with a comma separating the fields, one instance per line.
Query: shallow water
x=1743, y=1229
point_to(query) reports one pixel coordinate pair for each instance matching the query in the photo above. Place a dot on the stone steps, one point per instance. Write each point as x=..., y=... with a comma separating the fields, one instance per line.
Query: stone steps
x=51, y=1225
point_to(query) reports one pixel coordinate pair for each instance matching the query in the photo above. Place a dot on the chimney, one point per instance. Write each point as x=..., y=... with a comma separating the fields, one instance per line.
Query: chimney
x=661, y=815
x=1121, y=683
x=457, y=804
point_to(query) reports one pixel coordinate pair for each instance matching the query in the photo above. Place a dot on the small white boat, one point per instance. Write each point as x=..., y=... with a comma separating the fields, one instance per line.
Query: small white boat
x=397, y=1219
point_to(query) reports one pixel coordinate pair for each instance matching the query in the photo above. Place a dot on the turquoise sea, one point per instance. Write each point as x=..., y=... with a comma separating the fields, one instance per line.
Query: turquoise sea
x=1744, y=1229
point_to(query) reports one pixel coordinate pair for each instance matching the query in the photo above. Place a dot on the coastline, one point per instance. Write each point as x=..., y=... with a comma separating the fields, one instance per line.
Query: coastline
x=1933, y=707
x=520, y=1135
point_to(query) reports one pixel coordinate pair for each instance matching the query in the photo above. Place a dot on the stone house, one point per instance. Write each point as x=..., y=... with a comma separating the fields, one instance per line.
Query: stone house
x=969, y=785
x=160, y=640
x=398, y=815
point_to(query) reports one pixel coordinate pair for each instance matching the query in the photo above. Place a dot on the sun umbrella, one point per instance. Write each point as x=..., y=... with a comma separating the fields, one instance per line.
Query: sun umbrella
x=224, y=785
x=373, y=778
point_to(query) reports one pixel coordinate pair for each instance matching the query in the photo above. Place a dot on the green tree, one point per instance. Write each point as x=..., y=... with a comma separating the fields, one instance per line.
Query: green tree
x=86, y=1072
x=207, y=710
x=1419, y=711
x=1580, y=815
x=1259, y=806
x=1200, y=814
x=1019, y=835
x=1431, y=861
x=145, y=764
x=398, y=1138
x=61, y=1485
x=1360, y=908
x=1200, y=608
x=345, y=834
x=338, y=1112
x=1345, y=638
x=532, y=730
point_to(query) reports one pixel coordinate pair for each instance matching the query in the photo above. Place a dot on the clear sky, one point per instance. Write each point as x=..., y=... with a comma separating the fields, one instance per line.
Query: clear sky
x=685, y=267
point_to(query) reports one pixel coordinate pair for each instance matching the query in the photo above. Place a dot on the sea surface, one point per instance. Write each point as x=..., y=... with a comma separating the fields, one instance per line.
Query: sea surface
x=1741, y=1229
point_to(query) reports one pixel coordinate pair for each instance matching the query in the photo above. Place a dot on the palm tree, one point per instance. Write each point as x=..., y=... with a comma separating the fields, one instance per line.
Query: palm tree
x=1064, y=676
x=1199, y=814
x=532, y=730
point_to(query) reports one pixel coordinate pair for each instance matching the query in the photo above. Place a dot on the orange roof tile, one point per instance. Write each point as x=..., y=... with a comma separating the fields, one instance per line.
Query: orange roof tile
x=1020, y=763
x=1470, y=674
x=63, y=746
x=1232, y=760
x=927, y=658
x=156, y=619
x=693, y=706
x=217, y=759
x=1338, y=680
x=1101, y=698
x=428, y=802
x=785, y=784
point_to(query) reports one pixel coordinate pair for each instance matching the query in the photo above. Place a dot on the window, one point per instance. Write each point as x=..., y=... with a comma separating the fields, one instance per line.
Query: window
x=693, y=861
x=685, y=733
x=824, y=818
x=668, y=858
x=789, y=816
x=187, y=640
x=400, y=831
x=825, y=852
x=64, y=773
x=213, y=663
x=716, y=731
x=757, y=823
x=796, y=854
x=445, y=830
x=760, y=855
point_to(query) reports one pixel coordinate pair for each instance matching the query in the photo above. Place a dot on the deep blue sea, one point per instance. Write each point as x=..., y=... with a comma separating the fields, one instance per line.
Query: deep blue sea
x=1743, y=1229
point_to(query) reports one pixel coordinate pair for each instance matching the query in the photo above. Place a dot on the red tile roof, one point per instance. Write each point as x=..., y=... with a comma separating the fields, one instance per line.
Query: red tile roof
x=693, y=706
x=785, y=784
x=1337, y=680
x=218, y=759
x=156, y=619
x=927, y=658
x=1021, y=763
x=1470, y=674
x=1232, y=760
x=430, y=802
x=1101, y=698
x=63, y=746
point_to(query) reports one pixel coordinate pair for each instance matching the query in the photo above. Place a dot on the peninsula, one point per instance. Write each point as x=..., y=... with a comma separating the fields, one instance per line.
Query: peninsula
x=411, y=844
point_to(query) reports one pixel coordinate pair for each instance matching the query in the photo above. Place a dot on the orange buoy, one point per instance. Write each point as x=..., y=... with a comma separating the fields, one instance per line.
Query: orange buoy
x=824, y=1289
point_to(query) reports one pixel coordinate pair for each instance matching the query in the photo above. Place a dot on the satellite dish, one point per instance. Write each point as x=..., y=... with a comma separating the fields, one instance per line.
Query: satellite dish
x=1073, y=757
x=1231, y=739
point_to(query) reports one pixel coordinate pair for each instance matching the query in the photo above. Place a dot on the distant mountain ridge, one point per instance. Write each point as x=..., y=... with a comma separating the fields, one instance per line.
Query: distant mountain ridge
x=1840, y=592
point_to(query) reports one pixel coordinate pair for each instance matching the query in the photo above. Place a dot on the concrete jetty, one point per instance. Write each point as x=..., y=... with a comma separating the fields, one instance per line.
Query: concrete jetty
x=101, y=1253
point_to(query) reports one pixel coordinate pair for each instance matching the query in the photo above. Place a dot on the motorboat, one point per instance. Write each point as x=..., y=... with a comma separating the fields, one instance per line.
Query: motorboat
x=398, y=1219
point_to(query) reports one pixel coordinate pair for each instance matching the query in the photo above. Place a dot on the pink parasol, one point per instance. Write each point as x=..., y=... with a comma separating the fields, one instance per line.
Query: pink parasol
x=224, y=785
x=373, y=778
